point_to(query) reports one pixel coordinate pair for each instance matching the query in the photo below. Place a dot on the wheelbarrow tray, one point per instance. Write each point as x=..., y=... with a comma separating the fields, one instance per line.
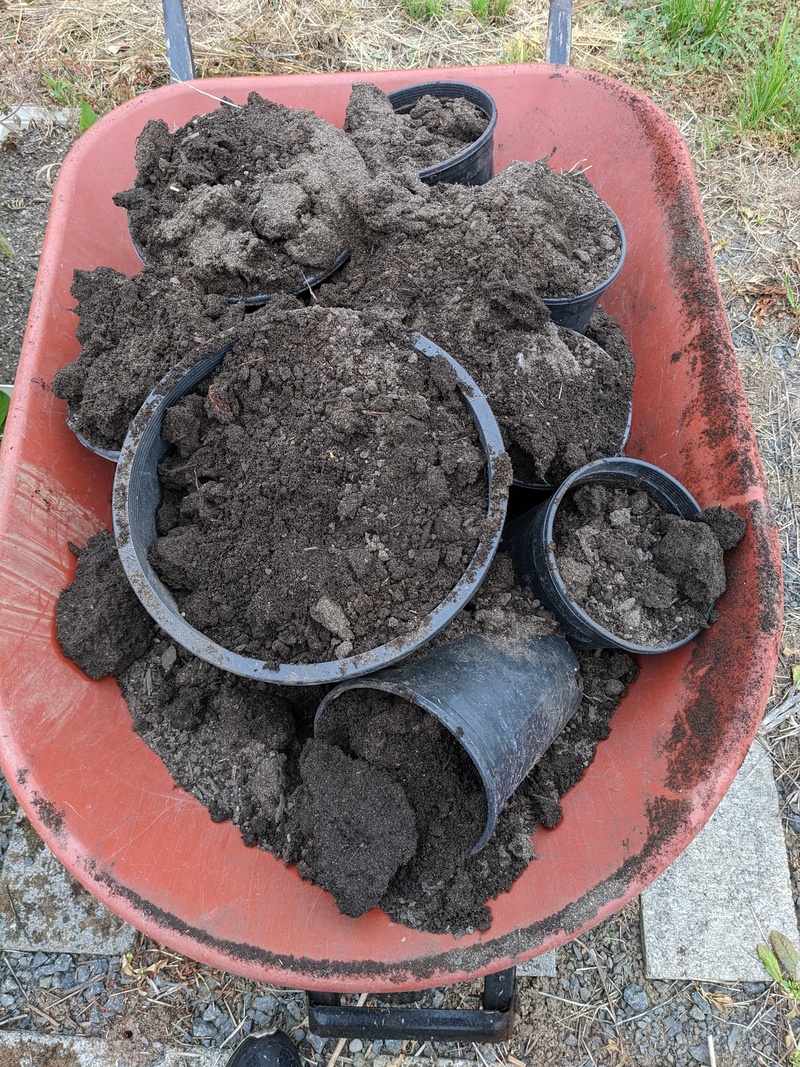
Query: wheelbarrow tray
x=105, y=803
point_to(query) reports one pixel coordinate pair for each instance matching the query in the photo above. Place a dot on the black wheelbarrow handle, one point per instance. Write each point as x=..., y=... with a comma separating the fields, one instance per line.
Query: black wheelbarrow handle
x=181, y=60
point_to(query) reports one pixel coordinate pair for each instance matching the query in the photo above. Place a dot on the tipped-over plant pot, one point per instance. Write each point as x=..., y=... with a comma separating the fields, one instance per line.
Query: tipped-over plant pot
x=505, y=700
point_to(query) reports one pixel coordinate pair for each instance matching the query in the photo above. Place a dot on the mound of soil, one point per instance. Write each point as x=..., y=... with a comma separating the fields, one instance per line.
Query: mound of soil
x=444, y=259
x=100, y=624
x=648, y=576
x=430, y=132
x=238, y=745
x=132, y=331
x=244, y=199
x=326, y=492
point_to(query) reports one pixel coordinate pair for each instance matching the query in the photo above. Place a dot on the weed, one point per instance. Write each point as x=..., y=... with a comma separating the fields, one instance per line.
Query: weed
x=697, y=19
x=423, y=9
x=4, y=402
x=771, y=95
x=779, y=960
x=521, y=50
x=88, y=117
x=489, y=10
x=59, y=89
x=6, y=247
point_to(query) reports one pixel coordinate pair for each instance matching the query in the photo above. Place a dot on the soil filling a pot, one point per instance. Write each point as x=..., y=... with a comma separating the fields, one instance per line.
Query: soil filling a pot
x=430, y=132
x=646, y=575
x=326, y=491
x=244, y=199
x=131, y=331
x=238, y=747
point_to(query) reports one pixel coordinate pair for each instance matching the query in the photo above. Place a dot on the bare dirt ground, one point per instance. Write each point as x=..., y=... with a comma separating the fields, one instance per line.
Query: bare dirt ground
x=593, y=1012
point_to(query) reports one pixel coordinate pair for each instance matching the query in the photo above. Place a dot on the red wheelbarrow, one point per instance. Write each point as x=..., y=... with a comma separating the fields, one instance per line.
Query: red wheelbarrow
x=104, y=802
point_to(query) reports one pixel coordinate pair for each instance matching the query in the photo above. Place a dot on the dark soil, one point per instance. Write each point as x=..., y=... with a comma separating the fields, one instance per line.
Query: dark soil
x=430, y=132
x=647, y=576
x=237, y=746
x=101, y=625
x=446, y=259
x=355, y=824
x=244, y=199
x=132, y=331
x=327, y=490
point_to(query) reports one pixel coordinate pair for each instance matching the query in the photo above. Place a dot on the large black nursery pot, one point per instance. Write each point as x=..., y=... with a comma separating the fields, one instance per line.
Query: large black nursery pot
x=505, y=700
x=474, y=165
x=137, y=497
x=529, y=542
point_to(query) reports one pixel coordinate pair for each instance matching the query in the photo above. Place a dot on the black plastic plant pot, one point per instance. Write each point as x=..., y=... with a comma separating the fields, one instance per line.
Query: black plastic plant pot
x=258, y=300
x=106, y=453
x=504, y=700
x=575, y=312
x=529, y=542
x=137, y=497
x=475, y=164
x=545, y=488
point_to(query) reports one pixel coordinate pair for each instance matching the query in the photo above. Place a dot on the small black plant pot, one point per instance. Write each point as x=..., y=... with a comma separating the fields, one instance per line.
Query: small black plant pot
x=475, y=164
x=529, y=542
x=575, y=312
x=504, y=700
x=137, y=497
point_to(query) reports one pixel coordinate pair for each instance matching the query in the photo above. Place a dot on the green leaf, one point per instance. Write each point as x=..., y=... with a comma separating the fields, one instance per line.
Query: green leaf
x=769, y=962
x=4, y=402
x=88, y=117
x=785, y=951
x=6, y=247
x=796, y=675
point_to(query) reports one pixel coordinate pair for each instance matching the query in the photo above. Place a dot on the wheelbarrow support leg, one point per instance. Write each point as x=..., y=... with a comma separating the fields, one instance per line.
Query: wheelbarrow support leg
x=327, y=1017
x=179, y=46
x=559, y=32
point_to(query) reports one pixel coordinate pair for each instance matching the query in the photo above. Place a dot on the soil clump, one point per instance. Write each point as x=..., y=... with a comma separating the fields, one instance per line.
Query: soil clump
x=131, y=331
x=326, y=492
x=101, y=626
x=431, y=131
x=648, y=576
x=247, y=200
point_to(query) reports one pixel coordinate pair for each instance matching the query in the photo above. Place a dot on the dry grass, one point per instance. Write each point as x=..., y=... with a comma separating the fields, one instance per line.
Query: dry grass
x=106, y=51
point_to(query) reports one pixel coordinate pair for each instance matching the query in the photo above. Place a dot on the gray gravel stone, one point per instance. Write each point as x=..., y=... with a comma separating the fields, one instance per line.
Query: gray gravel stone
x=636, y=998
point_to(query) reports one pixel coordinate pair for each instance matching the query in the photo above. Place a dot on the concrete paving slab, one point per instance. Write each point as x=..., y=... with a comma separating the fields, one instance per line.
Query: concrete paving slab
x=543, y=966
x=23, y=1049
x=43, y=908
x=703, y=918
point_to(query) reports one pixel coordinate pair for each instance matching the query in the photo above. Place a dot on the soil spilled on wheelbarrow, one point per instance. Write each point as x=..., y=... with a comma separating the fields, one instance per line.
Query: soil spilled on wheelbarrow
x=327, y=489
x=431, y=131
x=132, y=331
x=646, y=575
x=244, y=750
